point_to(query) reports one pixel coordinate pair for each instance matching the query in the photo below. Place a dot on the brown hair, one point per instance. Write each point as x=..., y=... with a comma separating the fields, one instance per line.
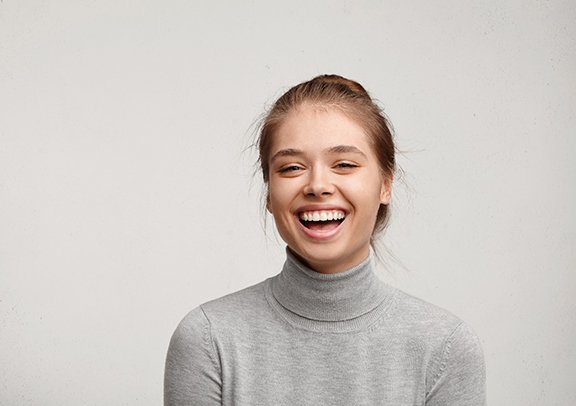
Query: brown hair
x=348, y=96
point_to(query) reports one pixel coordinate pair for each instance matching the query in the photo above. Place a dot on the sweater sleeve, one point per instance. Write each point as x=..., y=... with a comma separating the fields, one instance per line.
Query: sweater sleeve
x=192, y=374
x=457, y=376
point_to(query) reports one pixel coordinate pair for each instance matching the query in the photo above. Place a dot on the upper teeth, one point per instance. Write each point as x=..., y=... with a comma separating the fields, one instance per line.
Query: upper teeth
x=322, y=215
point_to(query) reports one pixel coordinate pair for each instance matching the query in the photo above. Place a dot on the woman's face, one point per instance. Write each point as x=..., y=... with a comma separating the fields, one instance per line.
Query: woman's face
x=325, y=188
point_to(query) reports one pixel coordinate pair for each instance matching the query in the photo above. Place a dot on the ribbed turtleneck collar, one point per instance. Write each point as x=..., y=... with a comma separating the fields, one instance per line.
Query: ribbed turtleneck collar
x=328, y=297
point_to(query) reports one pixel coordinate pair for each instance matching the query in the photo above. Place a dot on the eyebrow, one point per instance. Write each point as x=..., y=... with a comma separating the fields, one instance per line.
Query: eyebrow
x=338, y=149
x=342, y=149
x=286, y=152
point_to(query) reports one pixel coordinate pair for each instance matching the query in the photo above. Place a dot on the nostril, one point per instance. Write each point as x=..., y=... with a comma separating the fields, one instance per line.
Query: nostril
x=318, y=189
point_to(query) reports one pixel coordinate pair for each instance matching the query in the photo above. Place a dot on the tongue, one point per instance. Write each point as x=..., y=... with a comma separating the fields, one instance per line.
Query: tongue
x=322, y=225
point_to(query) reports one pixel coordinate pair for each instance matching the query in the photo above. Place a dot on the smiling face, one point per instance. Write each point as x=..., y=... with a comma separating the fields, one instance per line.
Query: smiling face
x=325, y=187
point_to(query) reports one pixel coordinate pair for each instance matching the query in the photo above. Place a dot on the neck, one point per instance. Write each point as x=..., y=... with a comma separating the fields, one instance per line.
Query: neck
x=329, y=266
x=328, y=297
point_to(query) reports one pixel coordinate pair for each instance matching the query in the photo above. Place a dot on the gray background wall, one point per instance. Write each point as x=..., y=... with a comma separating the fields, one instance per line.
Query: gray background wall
x=126, y=198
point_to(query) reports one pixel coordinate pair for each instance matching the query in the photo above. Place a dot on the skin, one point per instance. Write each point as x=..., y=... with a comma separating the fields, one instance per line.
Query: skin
x=322, y=159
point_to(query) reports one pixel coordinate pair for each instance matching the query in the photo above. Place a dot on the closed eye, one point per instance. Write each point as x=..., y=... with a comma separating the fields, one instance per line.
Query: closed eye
x=290, y=168
x=345, y=165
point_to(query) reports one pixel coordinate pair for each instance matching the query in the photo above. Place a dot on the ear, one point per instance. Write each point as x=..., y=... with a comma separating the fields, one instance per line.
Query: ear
x=386, y=190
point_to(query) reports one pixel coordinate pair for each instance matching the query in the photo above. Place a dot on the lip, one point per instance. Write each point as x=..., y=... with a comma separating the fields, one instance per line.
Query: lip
x=319, y=235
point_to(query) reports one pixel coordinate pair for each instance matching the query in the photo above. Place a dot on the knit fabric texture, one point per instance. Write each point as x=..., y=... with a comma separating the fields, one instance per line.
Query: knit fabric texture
x=306, y=338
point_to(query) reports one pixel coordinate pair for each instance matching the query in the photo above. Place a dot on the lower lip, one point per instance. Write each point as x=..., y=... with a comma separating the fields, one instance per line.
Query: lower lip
x=319, y=235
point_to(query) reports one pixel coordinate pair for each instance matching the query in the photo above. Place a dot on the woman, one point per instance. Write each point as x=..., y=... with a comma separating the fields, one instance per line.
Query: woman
x=325, y=330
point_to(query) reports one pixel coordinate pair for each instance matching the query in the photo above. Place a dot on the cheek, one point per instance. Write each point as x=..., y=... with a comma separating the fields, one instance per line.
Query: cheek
x=278, y=198
x=365, y=188
x=366, y=195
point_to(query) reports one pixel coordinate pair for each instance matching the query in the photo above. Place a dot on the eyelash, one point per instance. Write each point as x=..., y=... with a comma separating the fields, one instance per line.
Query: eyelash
x=290, y=168
x=346, y=165
x=294, y=168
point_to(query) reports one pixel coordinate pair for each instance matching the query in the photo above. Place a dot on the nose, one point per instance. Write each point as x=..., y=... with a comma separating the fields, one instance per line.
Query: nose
x=319, y=183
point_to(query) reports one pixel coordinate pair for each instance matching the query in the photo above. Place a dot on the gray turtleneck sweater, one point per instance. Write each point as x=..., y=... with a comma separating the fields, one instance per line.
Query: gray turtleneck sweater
x=305, y=338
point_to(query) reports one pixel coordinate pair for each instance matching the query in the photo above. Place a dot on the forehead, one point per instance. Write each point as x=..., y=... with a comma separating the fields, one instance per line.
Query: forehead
x=311, y=128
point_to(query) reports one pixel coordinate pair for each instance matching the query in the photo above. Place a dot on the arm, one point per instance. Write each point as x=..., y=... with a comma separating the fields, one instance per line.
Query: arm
x=457, y=376
x=192, y=374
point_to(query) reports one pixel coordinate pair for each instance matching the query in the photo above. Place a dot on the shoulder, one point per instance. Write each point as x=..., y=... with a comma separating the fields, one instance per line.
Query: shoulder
x=443, y=334
x=227, y=312
x=246, y=301
x=454, y=352
x=457, y=371
x=422, y=317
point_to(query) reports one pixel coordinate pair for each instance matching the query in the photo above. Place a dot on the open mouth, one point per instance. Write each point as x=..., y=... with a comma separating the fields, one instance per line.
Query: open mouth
x=322, y=220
